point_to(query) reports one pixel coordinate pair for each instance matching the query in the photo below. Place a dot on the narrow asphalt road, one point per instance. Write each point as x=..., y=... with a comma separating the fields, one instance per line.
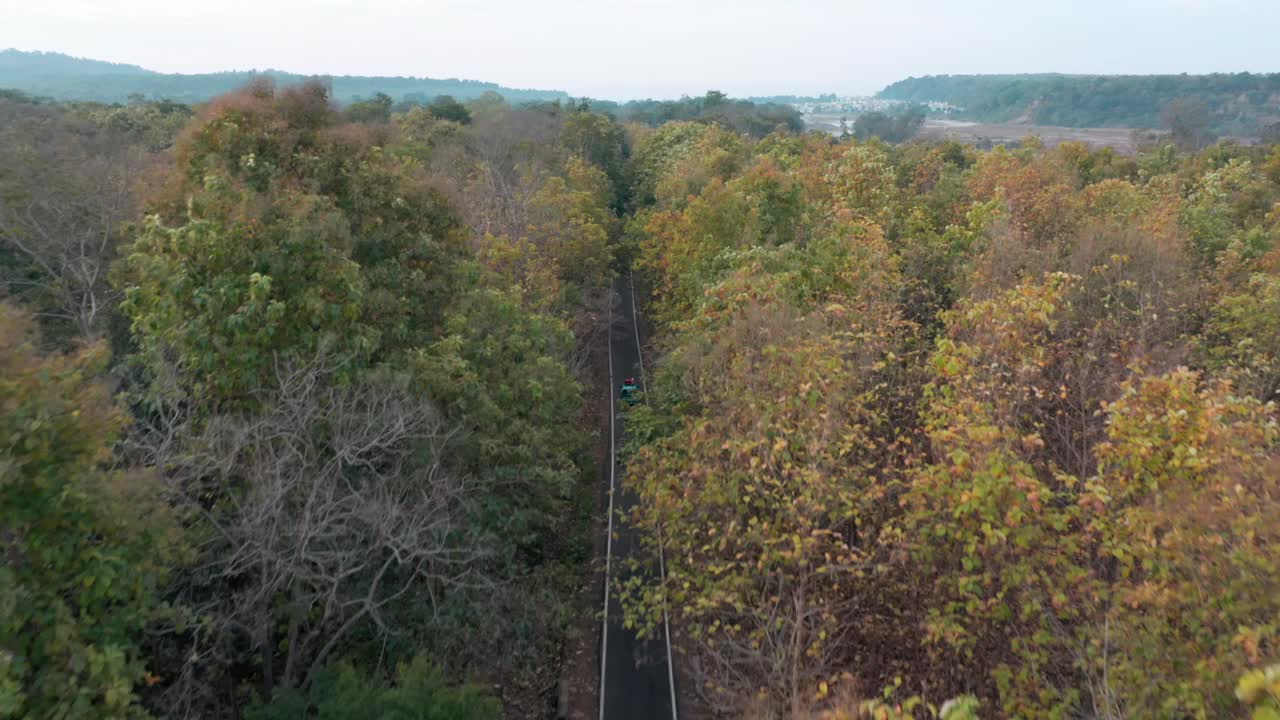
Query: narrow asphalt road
x=635, y=675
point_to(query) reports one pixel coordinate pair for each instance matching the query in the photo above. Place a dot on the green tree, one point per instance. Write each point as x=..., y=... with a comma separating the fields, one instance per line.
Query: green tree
x=282, y=232
x=87, y=548
x=1188, y=121
x=1182, y=512
x=1241, y=339
x=895, y=128
x=226, y=299
x=419, y=692
x=763, y=486
x=375, y=110
x=1260, y=690
x=599, y=140
x=444, y=107
x=499, y=371
x=754, y=503
x=684, y=154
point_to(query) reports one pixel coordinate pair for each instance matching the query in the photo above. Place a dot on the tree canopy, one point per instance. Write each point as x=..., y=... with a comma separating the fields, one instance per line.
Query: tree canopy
x=300, y=409
x=1234, y=104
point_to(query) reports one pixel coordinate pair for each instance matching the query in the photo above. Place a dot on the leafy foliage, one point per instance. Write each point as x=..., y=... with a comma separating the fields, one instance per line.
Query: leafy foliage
x=294, y=234
x=87, y=548
x=345, y=693
x=1259, y=690
x=1238, y=102
x=322, y=333
x=895, y=128
x=497, y=369
x=992, y=426
x=753, y=117
x=1242, y=339
x=922, y=413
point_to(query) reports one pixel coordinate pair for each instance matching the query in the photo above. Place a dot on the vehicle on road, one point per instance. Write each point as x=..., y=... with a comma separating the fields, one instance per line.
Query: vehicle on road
x=629, y=390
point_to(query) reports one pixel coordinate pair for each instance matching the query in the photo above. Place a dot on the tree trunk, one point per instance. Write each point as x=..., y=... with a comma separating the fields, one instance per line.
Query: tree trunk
x=797, y=652
x=291, y=660
x=268, y=655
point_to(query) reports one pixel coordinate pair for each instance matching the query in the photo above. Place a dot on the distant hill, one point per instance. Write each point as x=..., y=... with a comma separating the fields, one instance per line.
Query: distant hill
x=63, y=77
x=1239, y=104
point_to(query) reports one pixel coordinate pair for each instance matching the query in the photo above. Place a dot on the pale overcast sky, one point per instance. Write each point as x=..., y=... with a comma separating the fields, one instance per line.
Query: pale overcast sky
x=659, y=48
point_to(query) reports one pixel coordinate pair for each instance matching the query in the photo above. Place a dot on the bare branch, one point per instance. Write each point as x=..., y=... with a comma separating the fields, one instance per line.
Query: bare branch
x=332, y=502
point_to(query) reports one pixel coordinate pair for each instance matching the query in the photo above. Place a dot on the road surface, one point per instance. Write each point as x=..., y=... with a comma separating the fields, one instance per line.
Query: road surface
x=636, y=679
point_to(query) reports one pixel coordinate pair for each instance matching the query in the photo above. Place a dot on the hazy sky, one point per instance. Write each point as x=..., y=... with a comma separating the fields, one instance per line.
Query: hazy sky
x=659, y=48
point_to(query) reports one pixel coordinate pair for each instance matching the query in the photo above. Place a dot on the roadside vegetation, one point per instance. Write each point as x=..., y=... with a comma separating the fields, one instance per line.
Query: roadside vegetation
x=957, y=423
x=307, y=386
x=296, y=411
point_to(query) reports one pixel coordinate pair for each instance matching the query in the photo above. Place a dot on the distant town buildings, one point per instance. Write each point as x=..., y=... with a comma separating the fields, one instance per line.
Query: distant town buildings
x=863, y=104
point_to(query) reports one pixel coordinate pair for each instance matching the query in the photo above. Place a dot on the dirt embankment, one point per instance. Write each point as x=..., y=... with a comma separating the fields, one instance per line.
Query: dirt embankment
x=1123, y=140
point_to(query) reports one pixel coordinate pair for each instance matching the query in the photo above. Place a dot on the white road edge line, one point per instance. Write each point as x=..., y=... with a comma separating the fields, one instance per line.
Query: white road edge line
x=662, y=563
x=604, y=633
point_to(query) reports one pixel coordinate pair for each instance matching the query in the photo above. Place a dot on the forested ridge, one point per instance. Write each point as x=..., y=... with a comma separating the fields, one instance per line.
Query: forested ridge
x=62, y=77
x=298, y=406
x=1239, y=104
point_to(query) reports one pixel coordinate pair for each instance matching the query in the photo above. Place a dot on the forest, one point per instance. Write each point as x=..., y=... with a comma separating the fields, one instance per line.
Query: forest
x=62, y=77
x=1239, y=104
x=300, y=412
x=753, y=117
